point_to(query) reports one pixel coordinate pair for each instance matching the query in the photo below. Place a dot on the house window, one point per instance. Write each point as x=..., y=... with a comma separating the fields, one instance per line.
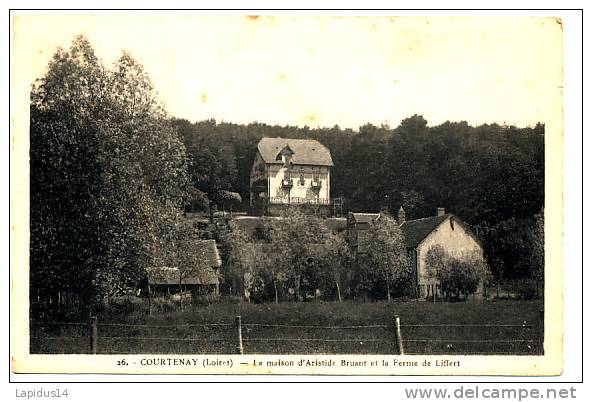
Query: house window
x=302, y=180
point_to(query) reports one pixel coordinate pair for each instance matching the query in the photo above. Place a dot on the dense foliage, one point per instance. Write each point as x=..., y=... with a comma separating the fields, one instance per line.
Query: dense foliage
x=298, y=258
x=241, y=261
x=384, y=267
x=108, y=177
x=458, y=277
x=486, y=175
x=461, y=278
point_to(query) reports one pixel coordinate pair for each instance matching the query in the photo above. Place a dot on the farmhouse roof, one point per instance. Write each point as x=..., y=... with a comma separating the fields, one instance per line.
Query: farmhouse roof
x=306, y=152
x=204, y=273
x=418, y=229
x=359, y=217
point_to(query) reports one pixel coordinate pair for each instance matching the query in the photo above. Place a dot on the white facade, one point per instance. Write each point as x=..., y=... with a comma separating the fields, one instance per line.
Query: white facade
x=280, y=181
x=454, y=239
x=298, y=184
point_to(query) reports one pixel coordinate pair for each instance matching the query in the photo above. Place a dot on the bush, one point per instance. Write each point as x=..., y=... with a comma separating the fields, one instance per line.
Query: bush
x=516, y=289
x=461, y=277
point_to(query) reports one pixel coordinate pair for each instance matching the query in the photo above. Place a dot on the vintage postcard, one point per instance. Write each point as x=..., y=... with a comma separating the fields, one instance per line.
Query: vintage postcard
x=286, y=194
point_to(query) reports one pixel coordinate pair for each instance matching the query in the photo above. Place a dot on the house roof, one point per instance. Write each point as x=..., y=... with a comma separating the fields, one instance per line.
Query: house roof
x=201, y=274
x=359, y=217
x=417, y=230
x=306, y=152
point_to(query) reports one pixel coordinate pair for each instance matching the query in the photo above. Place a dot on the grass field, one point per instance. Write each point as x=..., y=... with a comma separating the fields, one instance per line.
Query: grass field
x=289, y=328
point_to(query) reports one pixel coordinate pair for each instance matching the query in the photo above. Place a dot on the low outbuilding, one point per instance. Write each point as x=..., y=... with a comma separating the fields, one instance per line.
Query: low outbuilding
x=200, y=279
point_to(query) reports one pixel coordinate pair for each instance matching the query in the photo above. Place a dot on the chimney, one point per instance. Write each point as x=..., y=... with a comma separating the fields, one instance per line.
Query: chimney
x=401, y=215
x=440, y=211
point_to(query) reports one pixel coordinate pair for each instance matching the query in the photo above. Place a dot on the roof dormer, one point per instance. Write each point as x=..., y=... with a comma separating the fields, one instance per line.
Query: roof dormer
x=285, y=155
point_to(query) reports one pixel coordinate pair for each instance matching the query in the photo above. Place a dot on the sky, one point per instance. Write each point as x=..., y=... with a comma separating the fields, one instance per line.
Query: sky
x=322, y=71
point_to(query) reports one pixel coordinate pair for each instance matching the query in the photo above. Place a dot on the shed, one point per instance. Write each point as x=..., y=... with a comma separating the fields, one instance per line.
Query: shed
x=203, y=278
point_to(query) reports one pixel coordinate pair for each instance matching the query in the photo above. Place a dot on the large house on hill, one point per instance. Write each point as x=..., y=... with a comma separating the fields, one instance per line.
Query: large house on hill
x=444, y=230
x=290, y=172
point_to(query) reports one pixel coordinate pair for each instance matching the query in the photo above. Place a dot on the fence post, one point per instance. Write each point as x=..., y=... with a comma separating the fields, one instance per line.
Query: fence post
x=94, y=335
x=239, y=333
x=541, y=330
x=149, y=301
x=524, y=334
x=435, y=291
x=398, y=338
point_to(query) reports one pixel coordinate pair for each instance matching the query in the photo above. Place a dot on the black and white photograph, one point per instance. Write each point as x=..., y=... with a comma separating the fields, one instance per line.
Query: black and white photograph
x=265, y=193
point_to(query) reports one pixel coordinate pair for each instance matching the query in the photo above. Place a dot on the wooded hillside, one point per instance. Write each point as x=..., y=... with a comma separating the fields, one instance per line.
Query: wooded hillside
x=492, y=176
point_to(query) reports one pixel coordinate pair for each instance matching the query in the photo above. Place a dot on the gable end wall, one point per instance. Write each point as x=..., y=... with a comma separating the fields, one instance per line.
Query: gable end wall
x=458, y=243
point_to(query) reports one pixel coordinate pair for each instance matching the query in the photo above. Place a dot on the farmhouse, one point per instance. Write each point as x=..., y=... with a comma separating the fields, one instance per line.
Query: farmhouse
x=290, y=172
x=444, y=230
x=203, y=278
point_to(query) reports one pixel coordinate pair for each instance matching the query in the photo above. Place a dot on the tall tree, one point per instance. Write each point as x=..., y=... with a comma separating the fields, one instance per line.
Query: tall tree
x=385, y=259
x=334, y=256
x=108, y=173
x=304, y=251
x=537, y=251
x=241, y=260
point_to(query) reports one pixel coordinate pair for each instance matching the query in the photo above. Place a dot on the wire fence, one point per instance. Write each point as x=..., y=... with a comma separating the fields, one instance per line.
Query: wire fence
x=396, y=337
